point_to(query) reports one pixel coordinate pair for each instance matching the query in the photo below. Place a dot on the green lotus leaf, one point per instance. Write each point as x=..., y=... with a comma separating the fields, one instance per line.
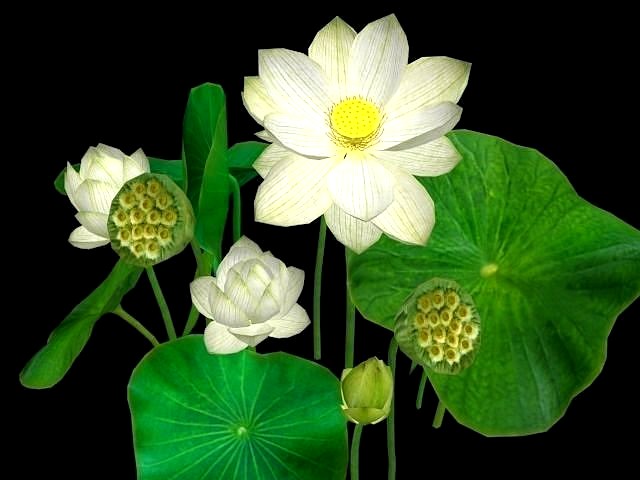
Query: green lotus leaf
x=240, y=416
x=548, y=272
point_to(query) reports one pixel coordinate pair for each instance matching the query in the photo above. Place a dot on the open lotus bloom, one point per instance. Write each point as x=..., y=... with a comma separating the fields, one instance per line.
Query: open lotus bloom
x=253, y=296
x=103, y=172
x=351, y=124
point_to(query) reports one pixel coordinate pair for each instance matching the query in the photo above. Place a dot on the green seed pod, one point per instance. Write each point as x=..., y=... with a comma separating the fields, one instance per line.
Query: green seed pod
x=143, y=233
x=446, y=339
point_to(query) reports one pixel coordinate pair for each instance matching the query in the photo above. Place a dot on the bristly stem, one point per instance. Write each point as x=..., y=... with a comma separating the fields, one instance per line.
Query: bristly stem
x=162, y=303
x=317, y=287
x=391, y=436
x=423, y=383
x=355, y=452
x=437, y=418
x=237, y=208
x=119, y=311
x=350, y=335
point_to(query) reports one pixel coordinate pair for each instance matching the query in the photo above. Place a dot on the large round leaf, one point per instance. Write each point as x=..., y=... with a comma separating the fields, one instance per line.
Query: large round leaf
x=241, y=416
x=549, y=273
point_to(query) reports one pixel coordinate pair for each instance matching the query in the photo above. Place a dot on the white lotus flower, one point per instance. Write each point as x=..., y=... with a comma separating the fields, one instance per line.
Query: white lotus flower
x=252, y=297
x=103, y=171
x=351, y=124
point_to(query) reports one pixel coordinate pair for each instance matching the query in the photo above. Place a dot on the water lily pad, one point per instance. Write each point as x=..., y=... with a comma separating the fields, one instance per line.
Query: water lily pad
x=240, y=416
x=548, y=272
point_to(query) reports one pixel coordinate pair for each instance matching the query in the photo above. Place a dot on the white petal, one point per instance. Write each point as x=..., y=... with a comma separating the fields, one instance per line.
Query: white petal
x=296, y=83
x=361, y=186
x=242, y=249
x=72, y=181
x=110, y=151
x=294, y=322
x=266, y=136
x=269, y=304
x=253, y=334
x=295, y=191
x=427, y=160
x=295, y=282
x=141, y=160
x=428, y=81
x=200, y=289
x=106, y=169
x=217, y=339
x=131, y=169
x=224, y=311
x=83, y=238
x=268, y=158
x=95, y=222
x=330, y=49
x=95, y=196
x=379, y=56
x=87, y=160
x=256, y=99
x=419, y=126
x=348, y=230
x=240, y=292
x=411, y=216
x=304, y=135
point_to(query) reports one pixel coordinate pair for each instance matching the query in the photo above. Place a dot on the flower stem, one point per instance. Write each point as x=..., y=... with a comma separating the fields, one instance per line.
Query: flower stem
x=119, y=311
x=350, y=335
x=423, y=383
x=355, y=452
x=237, y=208
x=162, y=303
x=437, y=418
x=317, y=287
x=203, y=269
x=391, y=440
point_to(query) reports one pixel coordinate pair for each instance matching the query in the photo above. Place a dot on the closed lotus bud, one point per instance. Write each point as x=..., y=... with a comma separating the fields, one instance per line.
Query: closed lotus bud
x=367, y=391
x=151, y=219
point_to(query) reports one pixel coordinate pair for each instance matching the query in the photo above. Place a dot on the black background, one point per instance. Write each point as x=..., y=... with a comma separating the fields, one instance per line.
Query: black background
x=558, y=83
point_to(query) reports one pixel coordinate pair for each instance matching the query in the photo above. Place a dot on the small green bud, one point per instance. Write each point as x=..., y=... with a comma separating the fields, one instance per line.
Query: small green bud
x=367, y=391
x=151, y=219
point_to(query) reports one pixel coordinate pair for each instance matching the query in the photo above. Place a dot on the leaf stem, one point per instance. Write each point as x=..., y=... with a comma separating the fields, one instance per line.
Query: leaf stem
x=437, y=418
x=350, y=335
x=162, y=303
x=391, y=440
x=355, y=452
x=423, y=383
x=237, y=208
x=119, y=311
x=317, y=287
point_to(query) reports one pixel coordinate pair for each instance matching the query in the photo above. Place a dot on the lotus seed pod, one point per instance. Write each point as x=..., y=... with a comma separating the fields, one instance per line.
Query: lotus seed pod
x=151, y=219
x=439, y=327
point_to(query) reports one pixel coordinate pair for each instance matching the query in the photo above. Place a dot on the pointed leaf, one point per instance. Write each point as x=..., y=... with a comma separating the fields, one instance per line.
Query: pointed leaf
x=241, y=416
x=548, y=271
x=52, y=362
x=240, y=158
x=204, y=146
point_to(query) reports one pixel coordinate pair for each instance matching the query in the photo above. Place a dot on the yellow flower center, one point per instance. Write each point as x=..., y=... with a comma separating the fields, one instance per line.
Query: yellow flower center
x=355, y=123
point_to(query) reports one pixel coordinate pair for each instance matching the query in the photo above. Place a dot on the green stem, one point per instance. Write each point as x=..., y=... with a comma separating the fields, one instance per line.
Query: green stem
x=350, y=335
x=437, y=418
x=162, y=303
x=423, y=383
x=355, y=452
x=237, y=208
x=119, y=311
x=317, y=287
x=203, y=269
x=391, y=437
